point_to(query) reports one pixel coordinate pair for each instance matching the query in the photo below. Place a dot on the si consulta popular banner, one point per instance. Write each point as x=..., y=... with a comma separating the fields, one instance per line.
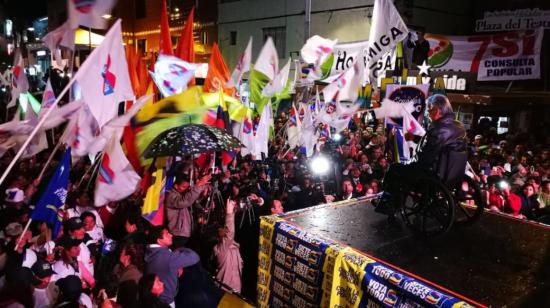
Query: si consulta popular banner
x=502, y=56
x=300, y=269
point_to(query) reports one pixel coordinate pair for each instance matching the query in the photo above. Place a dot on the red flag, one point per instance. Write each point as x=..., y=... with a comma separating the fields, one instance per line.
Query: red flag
x=143, y=76
x=185, y=49
x=165, y=42
x=218, y=74
x=132, y=60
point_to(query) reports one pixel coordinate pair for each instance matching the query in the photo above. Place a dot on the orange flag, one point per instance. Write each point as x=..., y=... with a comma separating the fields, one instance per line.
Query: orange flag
x=165, y=42
x=185, y=49
x=218, y=74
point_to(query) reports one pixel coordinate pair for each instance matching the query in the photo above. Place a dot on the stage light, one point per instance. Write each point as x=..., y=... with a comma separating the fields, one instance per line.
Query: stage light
x=337, y=137
x=30, y=29
x=319, y=165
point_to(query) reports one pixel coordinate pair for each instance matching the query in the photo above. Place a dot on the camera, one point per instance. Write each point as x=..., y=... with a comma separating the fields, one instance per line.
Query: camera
x=503, y=185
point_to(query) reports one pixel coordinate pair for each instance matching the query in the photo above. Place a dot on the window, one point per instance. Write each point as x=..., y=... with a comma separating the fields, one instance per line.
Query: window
x=142, y=46
x=278, y=34
x=141, y=9
x=233, y=38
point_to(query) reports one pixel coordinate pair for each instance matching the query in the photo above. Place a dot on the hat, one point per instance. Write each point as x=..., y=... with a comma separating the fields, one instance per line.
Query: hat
x=72, y=224
x=42, y=269
x=68, y=242
x=14, y=195
x=70, y=286
x=13, y=229
x=478, y=137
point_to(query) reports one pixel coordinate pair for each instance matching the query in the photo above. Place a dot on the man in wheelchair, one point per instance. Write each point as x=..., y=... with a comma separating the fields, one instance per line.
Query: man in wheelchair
x=441, y=152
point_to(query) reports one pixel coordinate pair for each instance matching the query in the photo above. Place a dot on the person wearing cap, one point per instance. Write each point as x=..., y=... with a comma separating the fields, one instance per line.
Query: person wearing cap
x=165, y=263
x=15, y=196
x=44, y=291
x=74, y=228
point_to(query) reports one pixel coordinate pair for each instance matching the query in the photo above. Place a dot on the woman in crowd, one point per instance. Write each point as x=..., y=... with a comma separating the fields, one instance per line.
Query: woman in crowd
x=150, y=289
x=529, y=202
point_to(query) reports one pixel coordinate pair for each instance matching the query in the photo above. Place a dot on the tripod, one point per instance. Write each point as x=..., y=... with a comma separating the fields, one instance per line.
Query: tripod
x=249, y=211
x=214, y=203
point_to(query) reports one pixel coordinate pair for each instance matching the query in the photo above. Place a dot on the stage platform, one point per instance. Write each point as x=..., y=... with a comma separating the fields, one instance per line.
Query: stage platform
x=497, y=261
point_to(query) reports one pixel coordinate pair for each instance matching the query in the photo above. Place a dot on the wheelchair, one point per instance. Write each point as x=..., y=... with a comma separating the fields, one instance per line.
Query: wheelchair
x=432, y=203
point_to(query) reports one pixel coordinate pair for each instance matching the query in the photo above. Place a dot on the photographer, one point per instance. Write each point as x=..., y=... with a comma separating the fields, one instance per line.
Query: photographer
x=179, y=212
x=306, y=194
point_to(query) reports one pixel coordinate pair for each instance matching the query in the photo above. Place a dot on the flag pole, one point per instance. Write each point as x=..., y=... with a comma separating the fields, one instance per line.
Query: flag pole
x=22, y=234
x=59, y=143
x=35, y=130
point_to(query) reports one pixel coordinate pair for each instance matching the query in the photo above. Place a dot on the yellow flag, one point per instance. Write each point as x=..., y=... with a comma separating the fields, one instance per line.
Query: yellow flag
x=170, y=106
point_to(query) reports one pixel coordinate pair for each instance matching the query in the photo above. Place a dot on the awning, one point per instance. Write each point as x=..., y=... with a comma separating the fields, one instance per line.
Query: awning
x=82, y=37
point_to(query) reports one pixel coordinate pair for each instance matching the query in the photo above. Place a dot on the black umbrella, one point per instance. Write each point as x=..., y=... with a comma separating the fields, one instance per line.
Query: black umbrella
x=191, y=139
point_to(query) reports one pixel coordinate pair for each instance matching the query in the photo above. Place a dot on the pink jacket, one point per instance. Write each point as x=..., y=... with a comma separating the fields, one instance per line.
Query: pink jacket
x=228, y=256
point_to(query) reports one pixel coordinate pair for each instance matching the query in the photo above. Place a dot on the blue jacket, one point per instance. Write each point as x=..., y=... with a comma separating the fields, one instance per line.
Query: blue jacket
x=165, y=264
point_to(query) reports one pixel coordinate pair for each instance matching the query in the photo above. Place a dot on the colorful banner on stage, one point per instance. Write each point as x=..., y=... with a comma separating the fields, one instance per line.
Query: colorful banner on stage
x=300, y=269
x=503, y=56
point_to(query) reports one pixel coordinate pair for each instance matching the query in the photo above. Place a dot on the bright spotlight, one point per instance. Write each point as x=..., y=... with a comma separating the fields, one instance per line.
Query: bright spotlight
x=337, y=137
x=320, y=165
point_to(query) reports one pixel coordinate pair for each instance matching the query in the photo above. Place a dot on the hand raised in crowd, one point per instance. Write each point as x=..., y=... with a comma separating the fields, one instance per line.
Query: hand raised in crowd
x=205, y=180
x=230, y=206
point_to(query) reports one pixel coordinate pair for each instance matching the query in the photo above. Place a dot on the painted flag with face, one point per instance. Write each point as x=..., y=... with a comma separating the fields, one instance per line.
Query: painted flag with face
x=172, y=75
x=89, y=13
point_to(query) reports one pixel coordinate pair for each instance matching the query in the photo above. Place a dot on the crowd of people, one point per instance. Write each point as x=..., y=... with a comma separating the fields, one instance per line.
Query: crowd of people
x=110, y=256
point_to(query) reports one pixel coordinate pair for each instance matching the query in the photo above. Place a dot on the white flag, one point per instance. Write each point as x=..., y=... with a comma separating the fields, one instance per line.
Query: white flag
x=89, y=13
x=386, y=30
x=246, y=136
x=81, y=132
x=278, y=83
x=293, y=128
x=172, y=74
x=115, y=127
x=62, y=36
x=104, y=79
x=242, y=67
x=19, y=81
x=309, y=133
x=346, y=86
x=48, y=97
x=315, y=52
x=411, y=125
x=116, y=179
x=262, y=133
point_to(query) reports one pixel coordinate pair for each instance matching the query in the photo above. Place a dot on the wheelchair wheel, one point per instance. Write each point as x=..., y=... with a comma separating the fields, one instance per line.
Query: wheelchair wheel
x=427, y=207
x=469, y=201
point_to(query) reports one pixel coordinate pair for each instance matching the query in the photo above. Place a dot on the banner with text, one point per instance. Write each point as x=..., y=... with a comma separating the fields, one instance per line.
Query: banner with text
x=344, y=56
x=502, y=56
x=300, y=269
